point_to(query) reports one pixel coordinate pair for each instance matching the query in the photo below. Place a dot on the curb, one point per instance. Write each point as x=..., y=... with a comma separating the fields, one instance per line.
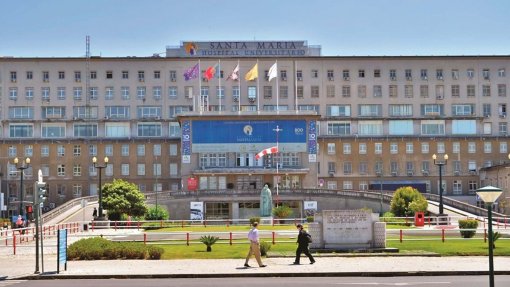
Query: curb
x=281, y=274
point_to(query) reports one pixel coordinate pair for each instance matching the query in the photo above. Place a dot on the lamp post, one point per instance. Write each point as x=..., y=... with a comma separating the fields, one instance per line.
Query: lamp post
x=100, y=193
x=24, y=165
x=440, y=164
x=489, y=194
x=379, y=175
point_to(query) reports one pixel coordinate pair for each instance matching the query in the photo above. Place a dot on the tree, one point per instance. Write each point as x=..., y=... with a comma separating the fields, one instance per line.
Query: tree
x=122, y=197
x=208, y=240
x=408, y=200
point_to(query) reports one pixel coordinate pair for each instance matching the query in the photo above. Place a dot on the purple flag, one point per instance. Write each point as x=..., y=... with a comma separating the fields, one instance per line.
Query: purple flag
x=191, y=73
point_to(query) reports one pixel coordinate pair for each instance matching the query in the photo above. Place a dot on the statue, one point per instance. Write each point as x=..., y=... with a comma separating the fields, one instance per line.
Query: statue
x=266, y=202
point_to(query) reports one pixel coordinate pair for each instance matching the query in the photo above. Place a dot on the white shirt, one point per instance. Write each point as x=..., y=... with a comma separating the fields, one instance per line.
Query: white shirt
x=253, y=235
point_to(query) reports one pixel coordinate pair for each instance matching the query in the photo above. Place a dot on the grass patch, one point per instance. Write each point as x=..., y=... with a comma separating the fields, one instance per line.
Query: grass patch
x=453, y=247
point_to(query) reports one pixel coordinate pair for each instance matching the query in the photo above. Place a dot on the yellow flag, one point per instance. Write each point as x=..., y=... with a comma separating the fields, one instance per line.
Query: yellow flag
x=253, y=73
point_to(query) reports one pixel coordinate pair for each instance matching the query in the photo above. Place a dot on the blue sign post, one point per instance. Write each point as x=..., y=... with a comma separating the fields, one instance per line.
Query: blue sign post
x=62, y=249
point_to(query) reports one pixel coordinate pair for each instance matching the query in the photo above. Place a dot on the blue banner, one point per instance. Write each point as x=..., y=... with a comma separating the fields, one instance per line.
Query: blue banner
x=248, y=132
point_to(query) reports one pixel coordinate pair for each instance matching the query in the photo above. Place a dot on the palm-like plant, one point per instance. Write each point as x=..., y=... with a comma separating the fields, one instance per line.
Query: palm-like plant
x=209, y=240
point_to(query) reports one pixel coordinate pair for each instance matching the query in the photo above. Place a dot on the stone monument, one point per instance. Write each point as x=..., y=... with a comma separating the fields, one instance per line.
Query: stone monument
x=266, y=202
x=347, y=230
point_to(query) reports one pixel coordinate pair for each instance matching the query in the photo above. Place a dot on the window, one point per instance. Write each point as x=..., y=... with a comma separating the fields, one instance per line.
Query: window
x=109, y=74
x=487, y=147
x=439, y=74
x=378, y=148
x=124, y=150
x=455, y=91
x=393, y=75
x=46, y=76
x=339, y=128
x=393, y=92
x=486, y=74
x=141, y=76
x=346, y=75
x=140, y=150
x=409, y=148
x=13, y=94
x=314, y=91
x=29, y=93
x=338, y=110
x=156, y=150
x=471, y=91
x=331, y=148
x=85, y=130
x=330, y=91
x=157, y=74
x=149, y=129
x=408, y=91
x=77, y=91
x=370, y=110
x=361, y=73
x=252, y=93
x=76, y=150
x=455, y=74
x=393, y=148
x=124, y=169
x=20, y=112
x=93, y=74
x=156, y=93
x=486, y=90
x=61, y=170
x=425, y=148
x=400, y=110
x=346, y=91
x=503, y=147
x=108, y=150
x=93, y=93
x=370, y=128
x=503, y=129
x=173, y=150
x=501, y=90
x=470, y=73
x=299, y=75
x=347, y=168
x=284, y=92
x=463, y=110
x=456, y=147
x=432, y=127
x=440, y=148
x=268, y=92
x=145, y=112
x=424, y=91
x=347, y=148
x=331, y=75
x=125, y=75
x=14, y=77
x=471, y=147
x=377, y=91
x=300, y=92
x=140, y=93
x=61, y=93
x=331, y=167
x=362, y=91
x=362, y=148
x=315, y=73
x=45, y=151
x=409, y=74
x=377, y=73
x=283, y=75
x=140, y=169
x=77, y=76
x=76, y=170
x=439, y=92
x=424, y=74
x=109, y=93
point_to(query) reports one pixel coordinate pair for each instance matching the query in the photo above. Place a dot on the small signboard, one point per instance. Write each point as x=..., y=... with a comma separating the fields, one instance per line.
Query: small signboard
x=192, y=184
x=62, y=249
x=197, y=210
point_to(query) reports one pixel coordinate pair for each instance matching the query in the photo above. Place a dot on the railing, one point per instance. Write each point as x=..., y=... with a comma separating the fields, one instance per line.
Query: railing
x=46, y=217
x=462, y=205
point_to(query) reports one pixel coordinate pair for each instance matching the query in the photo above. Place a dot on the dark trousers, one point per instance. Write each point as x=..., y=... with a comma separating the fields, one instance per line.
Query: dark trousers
x=303, y=249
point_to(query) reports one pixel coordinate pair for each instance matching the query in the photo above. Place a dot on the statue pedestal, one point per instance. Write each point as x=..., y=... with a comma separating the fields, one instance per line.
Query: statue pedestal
x=266, y=220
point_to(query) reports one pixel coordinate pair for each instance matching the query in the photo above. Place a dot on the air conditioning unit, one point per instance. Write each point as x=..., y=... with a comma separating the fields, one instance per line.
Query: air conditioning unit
x=173, y=79
x=141, y=79
x=347, y=78
x=425, y=78
x=502, y=115
x=13, y=80
x=488, y=115
x=284, y=78
x=299, y=78
x=440, y=78
x=393, y=78
x=78, y=80
x=409, y=78
x=331, y=173
x=236, y=99
x=410, y=173
x=331, y=78
x=425, y=172
x=472, y=172
x=46, y=80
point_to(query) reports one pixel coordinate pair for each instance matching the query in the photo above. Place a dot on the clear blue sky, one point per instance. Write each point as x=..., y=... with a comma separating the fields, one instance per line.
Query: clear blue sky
x=57, y=28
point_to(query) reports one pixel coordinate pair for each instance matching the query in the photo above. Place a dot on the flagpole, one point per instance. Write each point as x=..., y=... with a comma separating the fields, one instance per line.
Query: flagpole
x=200, y=86
x=277, y=90
x=239, y=85
x=277, y=130
x=295, y=88
x=258, y=91
x=219, y=83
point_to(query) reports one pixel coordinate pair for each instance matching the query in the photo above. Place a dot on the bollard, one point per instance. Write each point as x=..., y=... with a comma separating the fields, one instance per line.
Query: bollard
x=187, y=238
x=442, y=234
x=485, y=235
x=145, y=238
x=274, y=235
x=401, y=235
x=230, y=238
x=205, y=223
x=14, y=243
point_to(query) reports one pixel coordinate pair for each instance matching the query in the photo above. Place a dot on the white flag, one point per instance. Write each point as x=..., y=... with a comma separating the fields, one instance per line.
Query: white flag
x=235, y=74
x=273, y=71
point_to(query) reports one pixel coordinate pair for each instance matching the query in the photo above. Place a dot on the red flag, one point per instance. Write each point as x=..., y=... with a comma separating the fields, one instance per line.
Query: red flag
x=210, y=72
x=270, y=150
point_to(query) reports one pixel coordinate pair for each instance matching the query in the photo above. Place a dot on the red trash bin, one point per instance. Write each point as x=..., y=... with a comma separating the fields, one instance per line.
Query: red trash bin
x=419, y=219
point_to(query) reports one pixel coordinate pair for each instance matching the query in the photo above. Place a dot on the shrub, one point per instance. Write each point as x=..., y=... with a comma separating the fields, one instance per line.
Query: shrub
x=254, y=219
x=159, y=213
x=264, y=247
x=208, y=240
x=282, y=211
x=406, y=201
x=100, y=248
x=154, y=252
x=468, y=224
x=309, y=219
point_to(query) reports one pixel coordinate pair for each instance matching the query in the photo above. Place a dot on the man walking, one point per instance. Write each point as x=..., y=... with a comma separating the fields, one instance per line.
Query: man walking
x=303, y=240
x=253, y=236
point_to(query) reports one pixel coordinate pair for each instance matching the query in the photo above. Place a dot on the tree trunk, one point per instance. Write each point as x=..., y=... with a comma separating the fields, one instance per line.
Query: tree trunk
x=209, y=249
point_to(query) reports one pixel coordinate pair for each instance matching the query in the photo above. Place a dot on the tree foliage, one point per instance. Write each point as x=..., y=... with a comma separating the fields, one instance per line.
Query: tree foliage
x=408, y=200
x=282, y=211
x=156, y=213
x=122, y=197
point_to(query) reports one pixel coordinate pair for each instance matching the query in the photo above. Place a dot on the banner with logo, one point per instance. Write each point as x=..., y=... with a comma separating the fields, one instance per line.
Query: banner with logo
x=310, y=207
x=197, y=210
x=186, y=142
x=312, y=141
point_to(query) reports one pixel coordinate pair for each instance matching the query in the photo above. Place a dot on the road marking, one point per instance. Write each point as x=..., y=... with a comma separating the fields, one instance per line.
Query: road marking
x=395, y=284
x=10, y=282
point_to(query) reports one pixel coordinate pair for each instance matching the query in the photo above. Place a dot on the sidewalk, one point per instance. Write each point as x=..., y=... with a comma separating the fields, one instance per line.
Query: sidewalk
x=23, y=267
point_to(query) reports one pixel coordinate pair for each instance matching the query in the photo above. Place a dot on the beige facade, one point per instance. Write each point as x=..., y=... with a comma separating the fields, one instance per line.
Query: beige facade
x=381, y=120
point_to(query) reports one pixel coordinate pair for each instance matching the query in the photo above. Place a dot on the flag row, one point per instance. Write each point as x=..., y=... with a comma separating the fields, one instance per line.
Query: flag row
x=214, y=72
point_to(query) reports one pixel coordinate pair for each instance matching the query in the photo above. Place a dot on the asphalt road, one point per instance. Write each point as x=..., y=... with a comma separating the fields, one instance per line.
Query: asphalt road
x=429, y=281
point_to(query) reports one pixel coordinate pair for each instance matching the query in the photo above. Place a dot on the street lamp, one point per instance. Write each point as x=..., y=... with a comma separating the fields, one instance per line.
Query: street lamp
x=24, y=165
x=489, y=194
x=440, y=164
x=100, y=167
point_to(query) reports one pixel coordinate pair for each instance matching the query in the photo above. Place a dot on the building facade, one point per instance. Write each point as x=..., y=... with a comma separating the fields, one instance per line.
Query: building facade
x=376, y=121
